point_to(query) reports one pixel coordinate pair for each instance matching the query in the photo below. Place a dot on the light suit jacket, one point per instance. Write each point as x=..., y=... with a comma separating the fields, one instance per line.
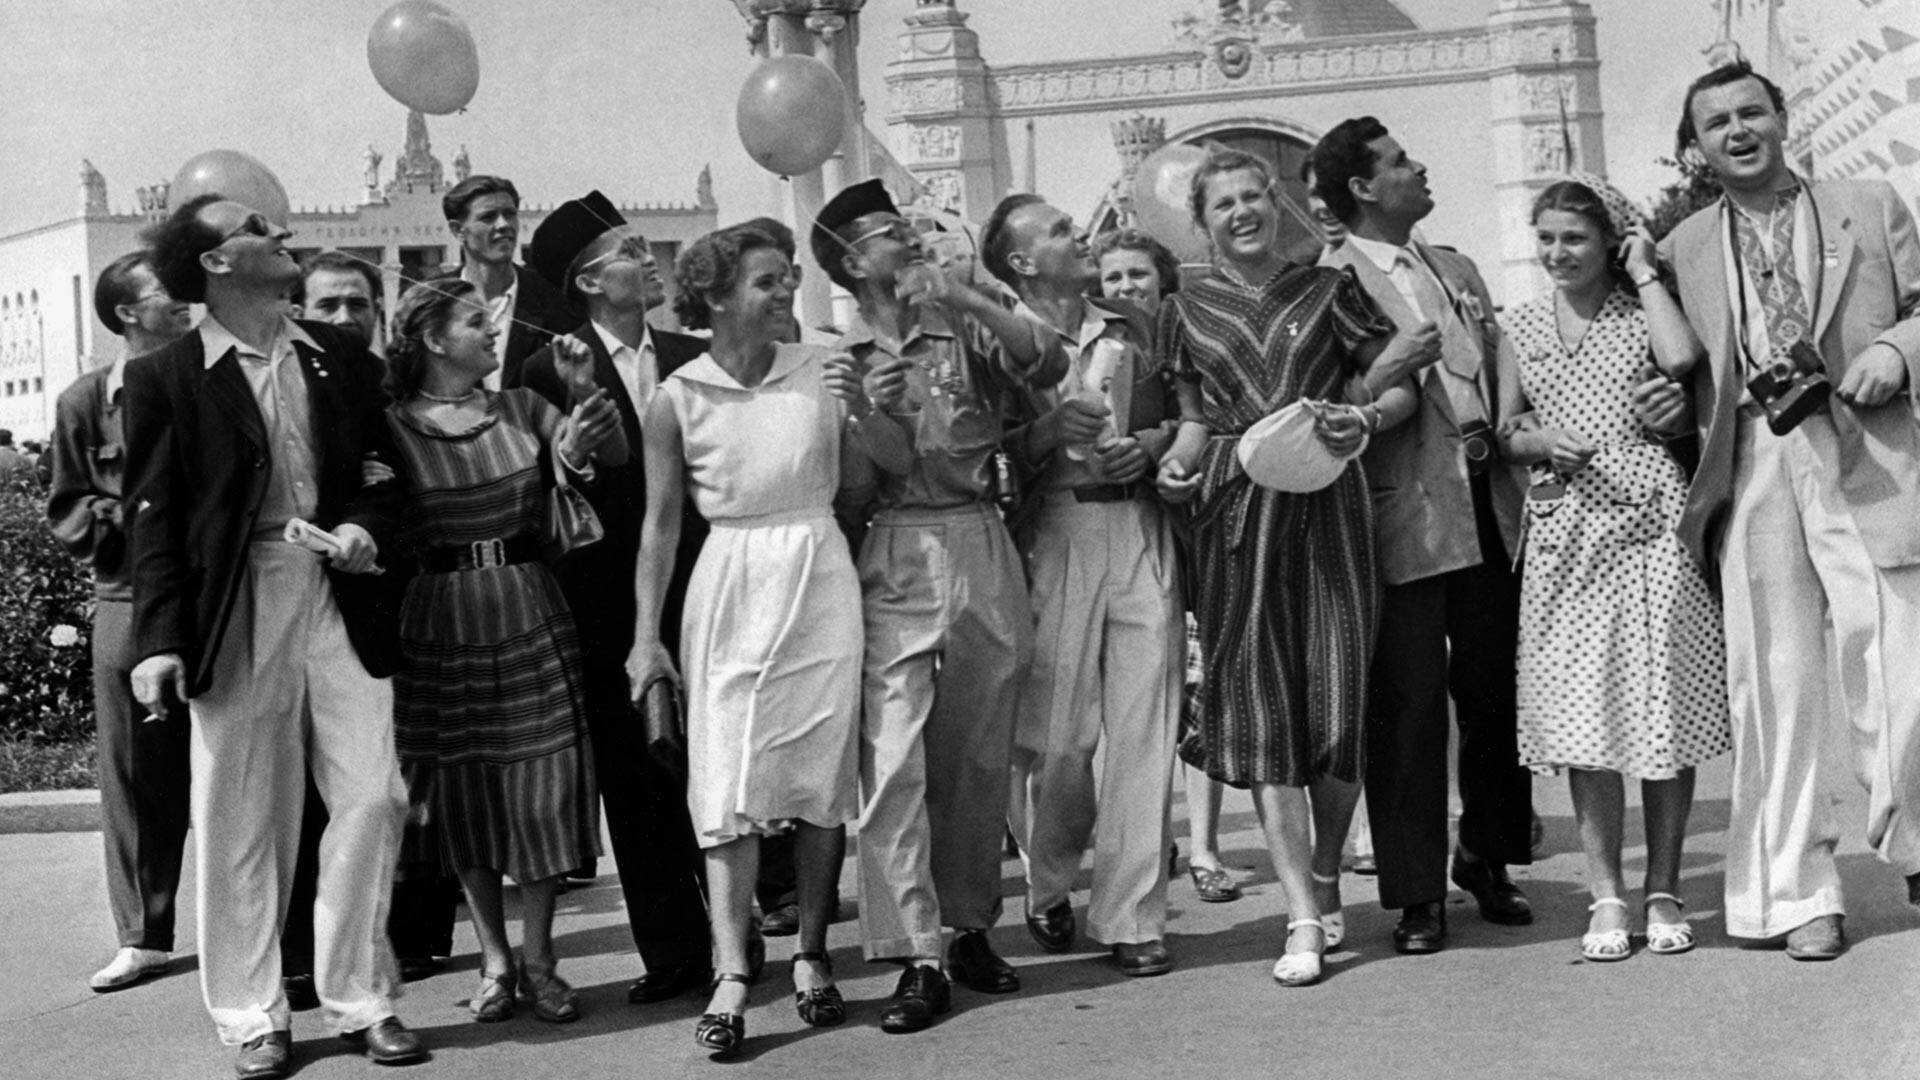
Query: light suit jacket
x=1867, y=279
x=1422, y=501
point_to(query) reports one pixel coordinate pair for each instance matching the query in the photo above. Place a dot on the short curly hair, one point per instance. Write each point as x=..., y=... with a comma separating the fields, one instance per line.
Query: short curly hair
x=711, y=267
x=1165, y=264
x=176, y=245
x=1222, y=159
x=424, y=310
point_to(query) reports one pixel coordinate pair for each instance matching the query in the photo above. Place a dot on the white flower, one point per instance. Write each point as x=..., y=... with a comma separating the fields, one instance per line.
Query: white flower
x=64, y=636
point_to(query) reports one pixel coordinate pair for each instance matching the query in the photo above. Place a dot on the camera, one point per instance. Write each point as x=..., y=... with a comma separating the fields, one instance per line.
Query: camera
x=1476, y=439
x=1792, y=389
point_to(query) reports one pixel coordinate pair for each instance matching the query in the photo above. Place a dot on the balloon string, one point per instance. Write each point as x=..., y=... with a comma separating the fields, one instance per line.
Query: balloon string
x=430, y=286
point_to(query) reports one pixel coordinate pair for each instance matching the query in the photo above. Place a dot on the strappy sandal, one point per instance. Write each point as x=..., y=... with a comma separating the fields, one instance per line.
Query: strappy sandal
x=1667, y=938
x=1335, y=924
x=1213, y=884
x=822, y=1006
x=722, y=1033
x=493, y=1001
x=552, y=997
x=1301, y=968
x=1606, y=946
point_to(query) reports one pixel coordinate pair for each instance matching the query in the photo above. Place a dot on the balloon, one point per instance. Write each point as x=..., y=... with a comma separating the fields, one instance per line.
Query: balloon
x=791, y=115
x=1162, y=200
x=231, y=175
x=423, y=55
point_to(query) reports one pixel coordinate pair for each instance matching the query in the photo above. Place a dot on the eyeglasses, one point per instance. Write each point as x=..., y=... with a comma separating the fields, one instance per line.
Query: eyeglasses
x=255, y=225
x=632, y=248
x=898, y=229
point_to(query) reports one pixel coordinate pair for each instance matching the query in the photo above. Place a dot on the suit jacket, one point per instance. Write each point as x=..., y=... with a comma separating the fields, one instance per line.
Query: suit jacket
x=1868, y=285
x=598, y=579
x=197, y=449
x=1422, y=498
x=89, y=456
x=539, y=312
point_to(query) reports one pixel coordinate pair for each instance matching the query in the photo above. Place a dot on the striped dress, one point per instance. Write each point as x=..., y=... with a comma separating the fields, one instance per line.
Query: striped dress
x=488, y=706
x=1286, y=590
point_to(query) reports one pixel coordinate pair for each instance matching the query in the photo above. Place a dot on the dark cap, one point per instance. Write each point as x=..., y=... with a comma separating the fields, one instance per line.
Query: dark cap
x=852, y=204
x=566, y=233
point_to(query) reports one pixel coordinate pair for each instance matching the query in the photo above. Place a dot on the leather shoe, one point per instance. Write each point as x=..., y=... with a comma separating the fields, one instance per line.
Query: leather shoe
x=388, y=1042
x=1422, y=929
x=1053, y=928
x=1143, y=958
x=300, y=992
x=265, y=1057
x=1820, y=939
x=1501, y=901
x=129, y=966
x=974, y=963
x=415, y=968
x=664, y=982
x=921, y=995
x=783, y=921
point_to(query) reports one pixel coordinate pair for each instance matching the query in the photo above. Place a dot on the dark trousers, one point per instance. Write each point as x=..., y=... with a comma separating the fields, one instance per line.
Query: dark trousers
x=1453, y=633
x=662, y=871
x=419, y=920
x=143, y=788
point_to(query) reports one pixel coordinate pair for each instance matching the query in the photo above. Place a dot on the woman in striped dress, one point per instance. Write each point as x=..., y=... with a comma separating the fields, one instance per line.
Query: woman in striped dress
x=1286, y=597
x=487, y=702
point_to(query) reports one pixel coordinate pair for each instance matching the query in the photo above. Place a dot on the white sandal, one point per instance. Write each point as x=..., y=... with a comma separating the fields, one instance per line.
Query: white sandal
x=1668, y=938
x=1301, y=968
x=1606, y=946
x=1334, y=925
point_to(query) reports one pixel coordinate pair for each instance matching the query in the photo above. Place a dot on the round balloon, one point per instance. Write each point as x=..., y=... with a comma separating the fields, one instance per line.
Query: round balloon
x=423, y=55
x=231, y=175
x=1161, y=200
x=792, y=114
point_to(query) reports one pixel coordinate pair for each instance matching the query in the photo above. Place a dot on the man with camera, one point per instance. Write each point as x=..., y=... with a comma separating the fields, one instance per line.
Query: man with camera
x=1806, y=298
x=1447, y=517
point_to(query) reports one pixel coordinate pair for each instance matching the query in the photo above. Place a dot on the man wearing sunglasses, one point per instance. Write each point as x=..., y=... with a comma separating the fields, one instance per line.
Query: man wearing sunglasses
x=244, y=425
x=142, y=767
x=483, y=213
x=586, y=249
x=949, y=632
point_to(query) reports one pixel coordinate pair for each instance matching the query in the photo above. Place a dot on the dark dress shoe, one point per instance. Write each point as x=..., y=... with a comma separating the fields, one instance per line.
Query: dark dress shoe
x=1366, y=866
x=300, y=992
x=1143, y=958
x=1819, y=939
x=1053, y=928
x=1913, y=889
x=921, y=995
x=667, y=982
x=1501, y=901
x=388, y=1043
x=1422, y=929
x=264, y=1057
x=973, y=962
x=415, y=968
x=783, y=921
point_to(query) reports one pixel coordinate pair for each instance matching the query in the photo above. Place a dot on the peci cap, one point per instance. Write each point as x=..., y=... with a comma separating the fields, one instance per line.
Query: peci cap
x=853, y=203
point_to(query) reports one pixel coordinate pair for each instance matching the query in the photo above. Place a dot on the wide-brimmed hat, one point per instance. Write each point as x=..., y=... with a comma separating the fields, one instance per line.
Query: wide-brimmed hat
x=1283, y=453
x=566, y=233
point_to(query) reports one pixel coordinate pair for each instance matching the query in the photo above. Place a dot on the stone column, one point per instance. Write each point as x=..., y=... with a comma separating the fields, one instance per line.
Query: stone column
x=940, y=112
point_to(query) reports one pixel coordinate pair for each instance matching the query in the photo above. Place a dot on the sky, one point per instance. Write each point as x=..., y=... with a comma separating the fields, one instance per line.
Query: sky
x=631, y=96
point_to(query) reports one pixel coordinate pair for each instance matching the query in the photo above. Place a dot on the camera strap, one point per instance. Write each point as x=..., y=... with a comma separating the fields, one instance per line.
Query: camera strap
x=1740, y=271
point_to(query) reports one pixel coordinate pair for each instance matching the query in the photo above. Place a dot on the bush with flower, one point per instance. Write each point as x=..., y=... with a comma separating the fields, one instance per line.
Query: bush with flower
x=46, y=620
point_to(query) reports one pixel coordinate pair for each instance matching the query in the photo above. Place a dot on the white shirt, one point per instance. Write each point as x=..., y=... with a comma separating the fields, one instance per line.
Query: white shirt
x=639, y=369
x=500, y=310
x=1388, y=258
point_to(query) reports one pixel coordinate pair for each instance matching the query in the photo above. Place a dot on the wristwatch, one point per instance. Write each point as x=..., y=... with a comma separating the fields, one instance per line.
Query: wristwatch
x=1641, y=281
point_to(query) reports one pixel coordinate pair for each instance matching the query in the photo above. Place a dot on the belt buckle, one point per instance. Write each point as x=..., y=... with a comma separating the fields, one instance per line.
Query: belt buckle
x=488, y=554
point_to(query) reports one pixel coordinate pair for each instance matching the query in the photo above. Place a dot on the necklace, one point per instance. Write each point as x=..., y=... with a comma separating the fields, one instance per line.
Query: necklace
x=449, y=400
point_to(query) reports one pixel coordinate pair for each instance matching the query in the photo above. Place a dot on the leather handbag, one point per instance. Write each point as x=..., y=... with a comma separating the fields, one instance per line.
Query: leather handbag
x=664, y=724
x=571, y=521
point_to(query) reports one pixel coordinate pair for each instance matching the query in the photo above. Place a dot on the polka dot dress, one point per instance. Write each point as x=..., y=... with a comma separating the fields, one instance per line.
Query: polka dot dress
x=1622, y=660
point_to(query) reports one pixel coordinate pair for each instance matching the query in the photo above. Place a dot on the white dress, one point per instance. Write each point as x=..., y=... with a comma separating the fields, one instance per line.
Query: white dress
x=771, y=637
x=1622, y=661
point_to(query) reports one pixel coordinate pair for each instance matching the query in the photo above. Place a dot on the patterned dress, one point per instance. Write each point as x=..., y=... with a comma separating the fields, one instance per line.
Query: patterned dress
x=488, y=707
x=1286, y=592
x=1622, y=662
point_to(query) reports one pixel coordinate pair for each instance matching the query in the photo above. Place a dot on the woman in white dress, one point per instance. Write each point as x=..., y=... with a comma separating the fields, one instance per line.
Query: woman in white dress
x=1622, y=663
x=771, y=630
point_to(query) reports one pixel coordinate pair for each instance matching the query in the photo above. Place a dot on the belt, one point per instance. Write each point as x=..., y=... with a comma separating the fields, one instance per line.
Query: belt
x=1099, y=493
x=479, y=555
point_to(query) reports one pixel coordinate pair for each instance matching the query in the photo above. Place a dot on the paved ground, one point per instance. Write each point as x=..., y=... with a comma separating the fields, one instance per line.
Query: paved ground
x=1500, y=1002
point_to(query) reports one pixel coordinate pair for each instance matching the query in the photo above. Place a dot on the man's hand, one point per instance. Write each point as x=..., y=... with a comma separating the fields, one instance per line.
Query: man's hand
x=373, y=471
x=926, y=283
x=153, y=679
x=1568, y=450
x=358, y=552
x=1661, y=406
x=1413, y=349
x=1874, y=376
x=841, y=376
x=1123, y=461
x=1079, y=421
x=886, y=383
x=1174, y=483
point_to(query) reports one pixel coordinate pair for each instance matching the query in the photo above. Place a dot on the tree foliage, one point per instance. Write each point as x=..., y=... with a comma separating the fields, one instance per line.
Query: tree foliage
x=46, y=626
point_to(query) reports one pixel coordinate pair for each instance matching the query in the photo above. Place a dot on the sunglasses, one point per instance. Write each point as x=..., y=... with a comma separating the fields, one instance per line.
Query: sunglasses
x=255, y=225
x=898, y=229
x=632, y=248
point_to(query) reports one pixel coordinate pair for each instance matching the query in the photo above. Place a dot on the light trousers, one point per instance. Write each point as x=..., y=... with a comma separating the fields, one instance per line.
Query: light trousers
x=948, y=634
x=1107, y=667
x=1794, y=566
x=289, y=693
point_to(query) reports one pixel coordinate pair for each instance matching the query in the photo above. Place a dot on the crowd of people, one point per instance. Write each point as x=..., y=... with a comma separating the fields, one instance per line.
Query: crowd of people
x=410, y=605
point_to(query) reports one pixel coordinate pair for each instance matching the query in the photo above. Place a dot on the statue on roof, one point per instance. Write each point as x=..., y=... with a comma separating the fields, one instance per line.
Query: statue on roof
x=93, y=190
x=462, y=164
